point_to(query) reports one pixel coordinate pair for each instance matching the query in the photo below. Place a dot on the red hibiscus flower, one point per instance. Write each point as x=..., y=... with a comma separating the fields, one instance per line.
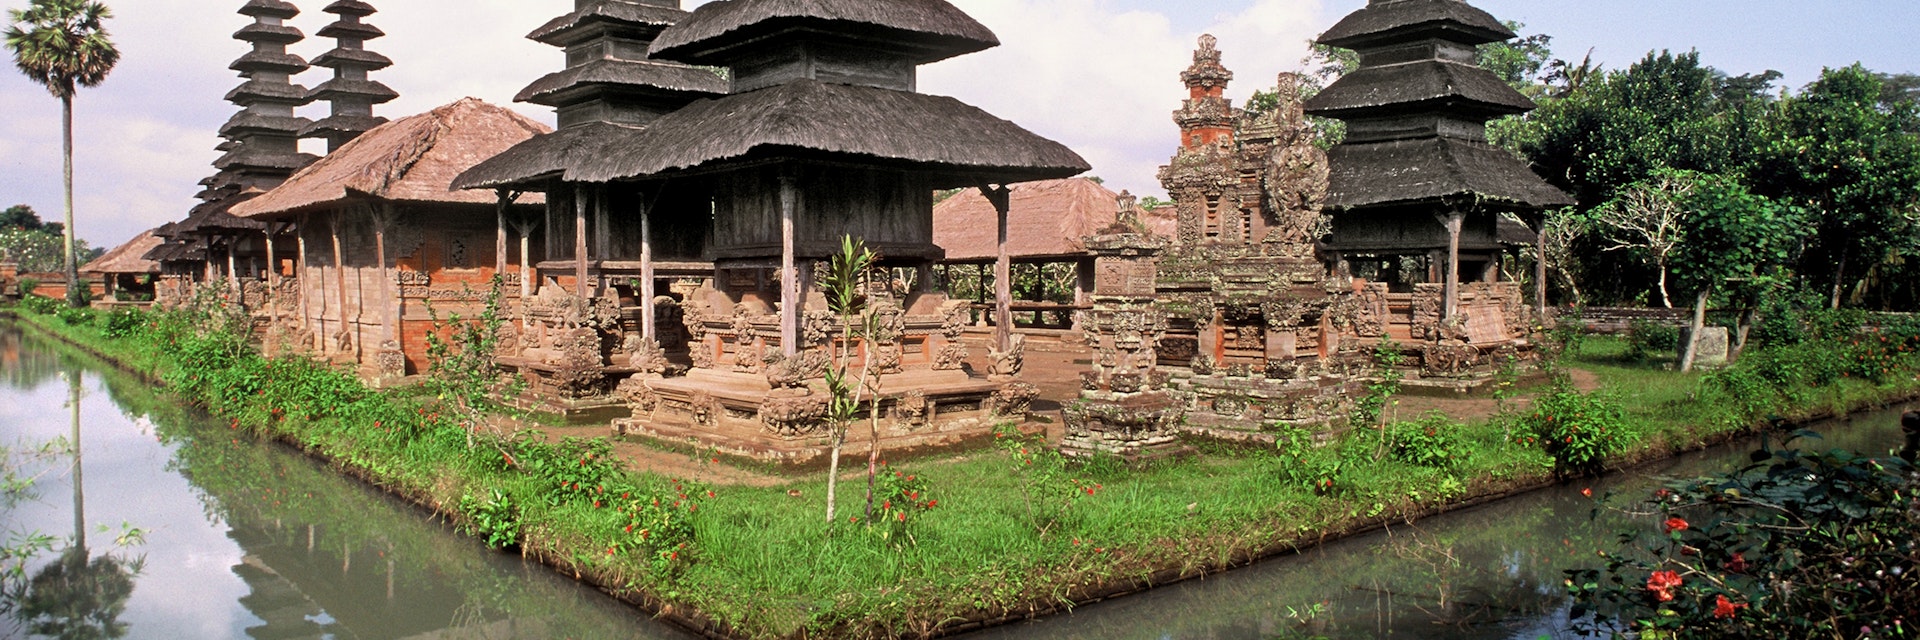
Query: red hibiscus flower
x=1676, y=524
x=1662, y=583
x=1724, y=608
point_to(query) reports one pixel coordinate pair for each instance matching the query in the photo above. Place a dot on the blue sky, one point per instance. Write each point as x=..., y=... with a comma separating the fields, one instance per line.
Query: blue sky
x=1098, y=75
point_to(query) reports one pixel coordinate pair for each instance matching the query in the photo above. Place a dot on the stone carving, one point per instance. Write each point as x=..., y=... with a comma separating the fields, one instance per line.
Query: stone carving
x=640, y=398
x=391, y=361
x=1448, y=358
x=706, y=410
x=793, y=373
x=913, y=408
x=1007, y=363
x=1014, y=400
x=794, y=416
x=578, y=366
x=645, y=356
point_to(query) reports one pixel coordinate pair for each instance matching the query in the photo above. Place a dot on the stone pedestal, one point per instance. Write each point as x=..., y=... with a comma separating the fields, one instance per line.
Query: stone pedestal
x=1125, y=408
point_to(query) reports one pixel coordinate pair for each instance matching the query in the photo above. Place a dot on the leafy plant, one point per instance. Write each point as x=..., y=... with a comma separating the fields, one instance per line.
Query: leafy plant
x=903, y=498
x=463, y=373
x=123, y=323
x=1798, y=545
x=847, y=275
x=1431, y=441
x=1371, y=409
x=1645, y=338
x=1577, y=430
x=1306, y=465
x=495, y=519
x=37, y=305
x=1046, y=482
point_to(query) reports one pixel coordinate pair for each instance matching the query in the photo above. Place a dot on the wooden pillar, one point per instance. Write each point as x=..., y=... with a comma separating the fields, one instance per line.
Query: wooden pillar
x=602, y=236
x=307, y=315
x=1451, y=307
x=339, y=275
x=273, y=277
x=233, y=275
x=1540, y=269
x=390, y=316
x=790, y=302
x=580, y=241
x=502, y=198
x=526, y=263
x=647, y=329
x=1000, y=197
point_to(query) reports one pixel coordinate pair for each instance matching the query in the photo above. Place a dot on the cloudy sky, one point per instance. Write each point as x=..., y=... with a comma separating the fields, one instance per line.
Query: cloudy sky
x=1098, y=75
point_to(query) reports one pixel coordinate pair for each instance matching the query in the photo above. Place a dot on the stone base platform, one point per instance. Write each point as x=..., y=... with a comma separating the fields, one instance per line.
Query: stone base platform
x=741, y=414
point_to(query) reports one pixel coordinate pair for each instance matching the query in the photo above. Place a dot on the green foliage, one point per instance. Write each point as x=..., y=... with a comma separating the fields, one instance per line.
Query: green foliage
x=1852, y=162
x=1519, y=62
x=62, y=44
x=1432, y=441
x=1387, y=359
x=1577, y=430
x=1646, y=337
x=122, y=323
x=1734, y=238
x=902, y=498
x=1047, y=483
x=39, y=305
x=1799, y=545
x=463, y=374
x=1305, y=465
x=494, y=520
x=75, y=316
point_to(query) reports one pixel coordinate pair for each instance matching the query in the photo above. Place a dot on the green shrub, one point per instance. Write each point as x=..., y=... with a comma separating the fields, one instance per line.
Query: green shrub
x=74, y=317
x=1577, y=430
x=1646, y=338
x=124, y=323
x=1306, y=465
x=1432, y=441
x=38, y=305
x=495, y=519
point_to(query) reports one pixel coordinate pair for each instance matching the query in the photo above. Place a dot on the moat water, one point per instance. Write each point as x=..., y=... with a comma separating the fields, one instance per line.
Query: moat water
x=239, y=538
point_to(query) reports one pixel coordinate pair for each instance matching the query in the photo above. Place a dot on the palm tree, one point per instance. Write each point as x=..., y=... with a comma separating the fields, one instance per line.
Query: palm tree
x=63, y=44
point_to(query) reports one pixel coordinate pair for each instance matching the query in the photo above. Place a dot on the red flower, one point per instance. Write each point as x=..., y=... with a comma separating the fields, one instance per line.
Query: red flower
x=1588, y=492
x=1738, y=564
x=1724, y=608
x=1676, y=524
x=1661, y=583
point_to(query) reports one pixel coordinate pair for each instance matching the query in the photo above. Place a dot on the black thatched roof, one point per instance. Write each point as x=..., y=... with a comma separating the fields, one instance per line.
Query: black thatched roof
x=1426, y=86
x=574, y=27
x=1386, y=21
x=530, y=163
x=929, y=29
x=1427, y=170
x=807, y=118
x=625, y=76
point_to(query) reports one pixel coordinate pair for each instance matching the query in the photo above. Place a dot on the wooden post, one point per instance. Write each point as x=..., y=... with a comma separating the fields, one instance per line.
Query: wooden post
x=526, y=263
x=790, y=302
x=273, y=278
x=1540, y=268
x=502, y=198
x=1454, y=220
x=391, y=316
x=307, y=315
x=647, y=329
x=580, y=241
x=1001, y=198
x=233, y=275
x=339, y=274
x=602, y=240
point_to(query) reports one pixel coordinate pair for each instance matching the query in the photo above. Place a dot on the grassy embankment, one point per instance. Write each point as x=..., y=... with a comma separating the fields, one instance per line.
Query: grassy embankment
x=1009, y=534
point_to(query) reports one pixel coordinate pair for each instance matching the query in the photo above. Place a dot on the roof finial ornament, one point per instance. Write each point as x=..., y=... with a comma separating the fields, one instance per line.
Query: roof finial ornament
x=1209, y=50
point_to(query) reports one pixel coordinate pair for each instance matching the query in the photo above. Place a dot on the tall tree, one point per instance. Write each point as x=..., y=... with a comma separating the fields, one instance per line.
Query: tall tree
x=63, y=45
x=1736, y=243
x=1649, y=218
x=1851, y=159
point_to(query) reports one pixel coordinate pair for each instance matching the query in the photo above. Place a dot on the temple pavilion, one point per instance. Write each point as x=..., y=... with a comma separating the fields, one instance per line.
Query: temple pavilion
x=1047, y=222
x=816, y=133
x=1416, y=195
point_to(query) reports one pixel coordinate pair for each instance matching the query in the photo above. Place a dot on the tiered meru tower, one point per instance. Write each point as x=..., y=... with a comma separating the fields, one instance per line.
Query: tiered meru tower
x=266, y=133
x=1416, y=177
x=350, y=92
x=609, y=78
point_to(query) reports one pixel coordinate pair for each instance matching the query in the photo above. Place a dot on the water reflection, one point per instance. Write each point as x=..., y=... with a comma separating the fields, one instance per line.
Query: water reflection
x=243, y=538
x=1493, y=571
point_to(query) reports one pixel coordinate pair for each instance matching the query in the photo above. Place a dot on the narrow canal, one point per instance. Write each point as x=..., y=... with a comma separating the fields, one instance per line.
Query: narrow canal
x=239, y=539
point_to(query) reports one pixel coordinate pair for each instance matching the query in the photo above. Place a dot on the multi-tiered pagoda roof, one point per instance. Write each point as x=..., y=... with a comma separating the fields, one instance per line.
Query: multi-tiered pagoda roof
x=1417, y=108
x=609, y=87
x=266, y=129
x=351, y=93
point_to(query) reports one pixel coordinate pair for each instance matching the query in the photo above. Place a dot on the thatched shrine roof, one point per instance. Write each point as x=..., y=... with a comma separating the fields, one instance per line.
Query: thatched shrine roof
x=624, y=76
x=581, y=24
x=957, y=143
x=544, y=156
x=1431, y=170
x=933, y=29
x=1045, y=219
x=1428, y=86
x=129, y=257
x=412, y=159
x=1401, y=20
